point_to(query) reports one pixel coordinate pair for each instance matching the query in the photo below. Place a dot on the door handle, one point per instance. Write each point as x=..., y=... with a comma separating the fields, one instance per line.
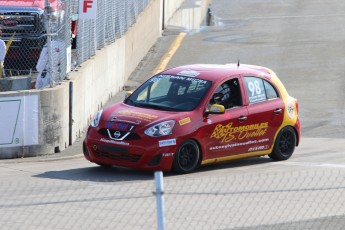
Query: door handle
x=242, y=118
x=278, y=111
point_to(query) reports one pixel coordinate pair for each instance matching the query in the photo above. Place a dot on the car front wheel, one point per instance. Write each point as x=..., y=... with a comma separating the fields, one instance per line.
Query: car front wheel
x=284, y=144
x=187, y=157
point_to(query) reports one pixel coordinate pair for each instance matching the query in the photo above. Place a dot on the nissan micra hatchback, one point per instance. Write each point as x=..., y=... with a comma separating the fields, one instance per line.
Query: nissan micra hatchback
x=194, y=115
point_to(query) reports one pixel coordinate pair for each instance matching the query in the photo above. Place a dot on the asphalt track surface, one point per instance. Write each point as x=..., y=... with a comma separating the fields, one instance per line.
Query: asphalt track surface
x=304, y=43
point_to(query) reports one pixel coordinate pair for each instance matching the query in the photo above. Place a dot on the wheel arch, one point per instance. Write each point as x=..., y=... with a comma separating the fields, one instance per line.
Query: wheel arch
x=176, y=165
x=297, y=135
x=200, y=150
x=294, y=129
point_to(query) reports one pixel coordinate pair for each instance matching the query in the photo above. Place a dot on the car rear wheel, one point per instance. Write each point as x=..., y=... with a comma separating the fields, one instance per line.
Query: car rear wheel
x=187, y=157
x=284, y=145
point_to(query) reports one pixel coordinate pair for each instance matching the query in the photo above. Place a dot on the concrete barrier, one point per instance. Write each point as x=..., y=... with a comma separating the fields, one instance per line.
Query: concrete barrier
x=170, y=9
x=66, y=110
x=15, y=83
x=190, y=15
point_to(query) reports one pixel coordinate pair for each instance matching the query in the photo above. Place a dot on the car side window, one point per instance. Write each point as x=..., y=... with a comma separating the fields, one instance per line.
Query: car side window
x=228, y=94
x=259, y=90
x=271, y=92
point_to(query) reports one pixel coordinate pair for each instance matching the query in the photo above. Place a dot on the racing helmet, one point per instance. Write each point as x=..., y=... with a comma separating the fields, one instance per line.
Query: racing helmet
x=222, y=94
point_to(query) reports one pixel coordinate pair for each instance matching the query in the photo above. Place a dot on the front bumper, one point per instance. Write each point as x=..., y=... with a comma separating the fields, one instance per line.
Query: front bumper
x=139, y=154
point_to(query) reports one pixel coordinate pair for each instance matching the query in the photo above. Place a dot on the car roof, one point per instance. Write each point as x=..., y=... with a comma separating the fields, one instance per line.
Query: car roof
x=217, y=72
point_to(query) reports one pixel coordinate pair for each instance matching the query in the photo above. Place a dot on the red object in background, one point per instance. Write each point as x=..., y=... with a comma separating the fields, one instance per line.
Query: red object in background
x=24, y=18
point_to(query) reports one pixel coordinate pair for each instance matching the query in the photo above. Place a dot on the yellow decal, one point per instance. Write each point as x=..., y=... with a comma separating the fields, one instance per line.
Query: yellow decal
x=9, y=43
x=137, y=115
x=235, y=157
x=228, y=133
x=184, y=121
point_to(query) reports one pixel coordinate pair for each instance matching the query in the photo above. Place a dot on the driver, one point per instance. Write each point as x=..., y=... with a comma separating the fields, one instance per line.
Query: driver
x=222, y=96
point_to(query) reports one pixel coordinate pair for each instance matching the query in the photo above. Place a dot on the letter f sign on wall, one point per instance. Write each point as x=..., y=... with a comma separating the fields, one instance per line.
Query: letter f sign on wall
x=87, y=4
x=87, y=9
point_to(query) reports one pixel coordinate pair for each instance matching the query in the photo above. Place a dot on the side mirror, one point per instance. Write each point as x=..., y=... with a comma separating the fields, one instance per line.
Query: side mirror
x=216, y=109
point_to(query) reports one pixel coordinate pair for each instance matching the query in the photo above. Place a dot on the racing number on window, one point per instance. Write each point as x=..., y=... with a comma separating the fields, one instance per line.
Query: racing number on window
x=256, y=90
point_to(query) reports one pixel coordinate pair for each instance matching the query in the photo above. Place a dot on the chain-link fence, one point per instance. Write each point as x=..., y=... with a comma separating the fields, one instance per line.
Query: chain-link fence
x=39, y=36
x=114, y=17
x=92, y=198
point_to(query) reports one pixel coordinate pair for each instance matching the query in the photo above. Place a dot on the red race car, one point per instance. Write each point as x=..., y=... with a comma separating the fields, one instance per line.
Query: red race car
x=193, y=115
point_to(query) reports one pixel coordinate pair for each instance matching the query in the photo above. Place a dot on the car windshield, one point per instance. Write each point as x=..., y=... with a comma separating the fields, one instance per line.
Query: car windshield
x=170, y=93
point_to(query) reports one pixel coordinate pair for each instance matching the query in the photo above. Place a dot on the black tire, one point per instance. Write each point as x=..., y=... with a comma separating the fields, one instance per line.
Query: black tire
x=284, y=145
x=187, y=157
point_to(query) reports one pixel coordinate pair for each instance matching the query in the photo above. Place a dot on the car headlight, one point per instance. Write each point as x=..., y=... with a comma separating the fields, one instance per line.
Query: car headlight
x=161, y=129
x=96, y=119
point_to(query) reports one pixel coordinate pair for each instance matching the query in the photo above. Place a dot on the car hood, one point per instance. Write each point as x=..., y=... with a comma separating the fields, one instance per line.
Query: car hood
x=138, y=116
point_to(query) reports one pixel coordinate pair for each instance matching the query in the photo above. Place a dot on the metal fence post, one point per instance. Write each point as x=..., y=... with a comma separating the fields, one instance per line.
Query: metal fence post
x=159, y=200
x=47, y=17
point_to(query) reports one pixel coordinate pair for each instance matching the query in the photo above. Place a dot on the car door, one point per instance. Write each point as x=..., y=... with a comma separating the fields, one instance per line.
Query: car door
x=221, y=130
x=265, y=113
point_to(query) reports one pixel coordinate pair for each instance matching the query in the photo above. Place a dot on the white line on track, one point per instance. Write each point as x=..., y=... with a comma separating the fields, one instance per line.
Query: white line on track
x=292, y=16
x=312, y=164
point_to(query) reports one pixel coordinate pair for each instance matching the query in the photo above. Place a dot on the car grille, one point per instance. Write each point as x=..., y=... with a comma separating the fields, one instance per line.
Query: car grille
x=22, y=23
x=131, y=136
x=112, y=149
x=116, y=153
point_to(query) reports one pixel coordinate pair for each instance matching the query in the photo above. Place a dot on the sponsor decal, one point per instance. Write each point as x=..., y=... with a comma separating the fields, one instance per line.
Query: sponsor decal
x=168, y=142
x=258, y=148
x=228, y=146
x=168, y=154
x=196, y=80
x=188, y=73
x=256, y=89
x=184, y=121
x=125, y=121
x=137, y=115
x=110, y=124
x=120, y=126
x=228, y=133
x=290, y=108
x=114, y=142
